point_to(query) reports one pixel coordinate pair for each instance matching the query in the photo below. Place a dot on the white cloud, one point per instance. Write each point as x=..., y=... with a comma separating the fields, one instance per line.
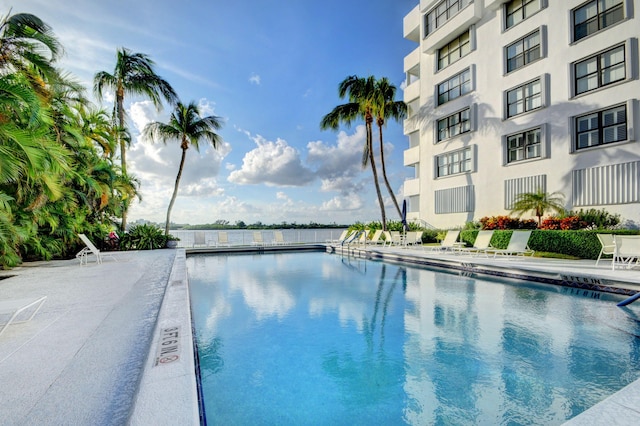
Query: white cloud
x=273, y=164
x=254, y=79
x=142, y=113
x=352, y=202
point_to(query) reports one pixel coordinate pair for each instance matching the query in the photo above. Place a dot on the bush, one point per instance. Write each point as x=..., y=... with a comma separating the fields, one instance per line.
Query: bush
x=597, y=219
x=507, y=222
x=565, y=223
x=143, y=237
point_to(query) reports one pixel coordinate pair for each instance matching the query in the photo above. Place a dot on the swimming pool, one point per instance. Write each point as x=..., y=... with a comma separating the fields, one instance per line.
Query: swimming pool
x=313, y=338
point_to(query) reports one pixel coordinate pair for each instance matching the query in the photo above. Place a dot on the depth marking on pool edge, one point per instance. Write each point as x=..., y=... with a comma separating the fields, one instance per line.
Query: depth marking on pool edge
x=168, y=346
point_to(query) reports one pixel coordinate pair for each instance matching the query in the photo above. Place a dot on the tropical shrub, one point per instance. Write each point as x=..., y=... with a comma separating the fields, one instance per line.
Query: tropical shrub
x=565, y=223
x=507, y=222
x=597, y=219
x=143, y=237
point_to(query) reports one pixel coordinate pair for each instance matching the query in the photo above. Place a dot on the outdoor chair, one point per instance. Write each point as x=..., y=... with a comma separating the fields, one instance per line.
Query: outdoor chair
x=608, y=246
x=449, y=243
x=376, y=237
x=278, y=238
x=340, y=239
x=627, y=251
x=199, y=239
x=518, y=245
x=480, y=245
x=257, y=238
x=223, y=239
x=90, y=249
x=14, y=308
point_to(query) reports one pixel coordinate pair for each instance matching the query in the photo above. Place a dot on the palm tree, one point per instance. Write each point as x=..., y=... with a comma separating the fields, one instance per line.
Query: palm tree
x=385, y=106
x=133, y=74
x=361, y=95
x=187, y=126
x=539, y=202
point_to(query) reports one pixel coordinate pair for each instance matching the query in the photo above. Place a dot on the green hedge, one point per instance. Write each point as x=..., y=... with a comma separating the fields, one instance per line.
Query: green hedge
x=582, y=244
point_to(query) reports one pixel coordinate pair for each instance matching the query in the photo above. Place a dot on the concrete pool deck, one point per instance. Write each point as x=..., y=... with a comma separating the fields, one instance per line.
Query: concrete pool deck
x=112, y=342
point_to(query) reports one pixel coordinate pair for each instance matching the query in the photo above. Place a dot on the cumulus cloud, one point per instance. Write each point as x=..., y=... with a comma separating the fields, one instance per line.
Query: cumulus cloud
x=142, y=113
x=273, y=164
x=353, y=202
x=254, y=79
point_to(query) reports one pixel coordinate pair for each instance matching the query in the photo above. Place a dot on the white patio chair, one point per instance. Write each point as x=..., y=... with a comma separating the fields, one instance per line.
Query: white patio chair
x=90, y=249
x=627, y=252
x=15, y=307
x=518, y=245
x=608, y=246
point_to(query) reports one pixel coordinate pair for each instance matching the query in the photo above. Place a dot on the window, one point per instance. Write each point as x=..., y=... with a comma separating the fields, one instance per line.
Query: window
x=524, y=146
x=456, y=49
x=524, y=98
x=601, y=127
x=444, y=11
x=523, y=51
x=600, y=70
x=455, y=124
x=519, y=10
x=456, y=86
x=596, y=15
x=453, y=163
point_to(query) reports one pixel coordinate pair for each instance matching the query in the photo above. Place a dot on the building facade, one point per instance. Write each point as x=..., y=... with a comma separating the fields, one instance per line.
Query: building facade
x=506, y=97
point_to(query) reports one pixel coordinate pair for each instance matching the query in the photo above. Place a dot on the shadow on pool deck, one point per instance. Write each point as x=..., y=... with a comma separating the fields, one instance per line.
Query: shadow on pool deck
x=90, y=352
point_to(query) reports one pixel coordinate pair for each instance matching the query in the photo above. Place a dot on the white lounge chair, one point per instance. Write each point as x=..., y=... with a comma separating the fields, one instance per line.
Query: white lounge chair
x=199, y=239
x=350, y=238
x=278, y=238
x=608, y=246
x=15, y=307
x=90, y=249
x=364, y=237
x=413, y=238
x=340, y=239
x=480, y=245
x=257, y=238
x=518, y=245
x=375, y=239
x=223, y=239
x=449, y=243
x=627, y=252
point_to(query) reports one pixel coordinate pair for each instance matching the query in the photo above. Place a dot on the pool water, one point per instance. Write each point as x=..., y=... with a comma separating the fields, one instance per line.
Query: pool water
x=314, y=338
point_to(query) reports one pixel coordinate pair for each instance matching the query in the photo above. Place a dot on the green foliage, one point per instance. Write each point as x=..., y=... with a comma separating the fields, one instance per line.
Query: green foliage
x=597, y=219
x=143, y=237
x=506, y=222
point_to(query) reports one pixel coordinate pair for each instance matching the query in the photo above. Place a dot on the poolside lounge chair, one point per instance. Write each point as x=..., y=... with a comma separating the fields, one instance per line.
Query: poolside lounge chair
x=518, y=245
x=341, y=238
x=257, y=238
x=627, y=252
x=608, y=246
x=375, y=239
x=351, y=238
x=278, y=238
x=413, y=238
x=14, y=308
x=449, y=242
x=223, y=239
x=90, y=249
x=480, y=245
x=395, y=238
x=364, y=237
x=199, y=239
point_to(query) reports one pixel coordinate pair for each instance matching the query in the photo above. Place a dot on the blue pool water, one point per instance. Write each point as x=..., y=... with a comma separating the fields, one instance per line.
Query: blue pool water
x=319, y=339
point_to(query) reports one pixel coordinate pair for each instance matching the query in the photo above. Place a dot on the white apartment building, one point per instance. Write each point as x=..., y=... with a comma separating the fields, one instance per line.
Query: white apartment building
x=507, y=97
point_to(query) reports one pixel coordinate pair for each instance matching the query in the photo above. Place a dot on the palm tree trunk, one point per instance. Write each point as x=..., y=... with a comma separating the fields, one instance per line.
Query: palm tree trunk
x=123, y=152
x=175, y=191
x=384, y=173
x=375, y=175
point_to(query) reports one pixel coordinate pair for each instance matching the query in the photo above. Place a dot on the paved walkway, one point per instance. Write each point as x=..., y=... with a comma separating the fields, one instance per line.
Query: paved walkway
x=79, y=360
x=89, y=356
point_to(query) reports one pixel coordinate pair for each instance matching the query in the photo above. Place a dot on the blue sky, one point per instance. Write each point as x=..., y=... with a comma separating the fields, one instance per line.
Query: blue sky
x=271, y=70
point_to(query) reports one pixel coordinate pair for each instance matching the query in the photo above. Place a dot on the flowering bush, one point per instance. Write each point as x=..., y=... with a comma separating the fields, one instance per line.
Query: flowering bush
x=565, y=223
x=507, y=222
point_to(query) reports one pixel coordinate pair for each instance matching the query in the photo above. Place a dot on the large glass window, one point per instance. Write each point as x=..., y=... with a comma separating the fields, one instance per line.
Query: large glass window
x=456, y=49
x=524, y=98
x=601, y=127
x=519, y=10
x=600, y=70
x=444, y=11
x=523, y=146
x=523, y=51
x=455, y=124
x=595, y=15
x=454, y=162
x=456, y=86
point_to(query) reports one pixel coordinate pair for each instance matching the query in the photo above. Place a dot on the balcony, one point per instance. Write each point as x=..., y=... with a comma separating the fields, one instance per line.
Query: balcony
x=411, y=187
x=463, y=20
x=412, y=60
x=412, y=92
x=412, y=156
x=411, y=25
x=494, y=4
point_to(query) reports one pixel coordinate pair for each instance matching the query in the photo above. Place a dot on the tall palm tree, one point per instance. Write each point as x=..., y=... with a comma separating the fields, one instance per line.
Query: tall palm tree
x=360, y=93
x=538, y=202
x=385, y=106
x=133, y=75
x=189, y=127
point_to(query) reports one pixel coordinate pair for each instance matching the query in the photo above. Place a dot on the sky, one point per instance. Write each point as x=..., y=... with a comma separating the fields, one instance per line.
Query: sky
x=270, y=70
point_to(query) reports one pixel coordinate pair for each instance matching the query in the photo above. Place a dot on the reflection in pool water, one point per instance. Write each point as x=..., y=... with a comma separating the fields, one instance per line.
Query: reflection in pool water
x=313, y=338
